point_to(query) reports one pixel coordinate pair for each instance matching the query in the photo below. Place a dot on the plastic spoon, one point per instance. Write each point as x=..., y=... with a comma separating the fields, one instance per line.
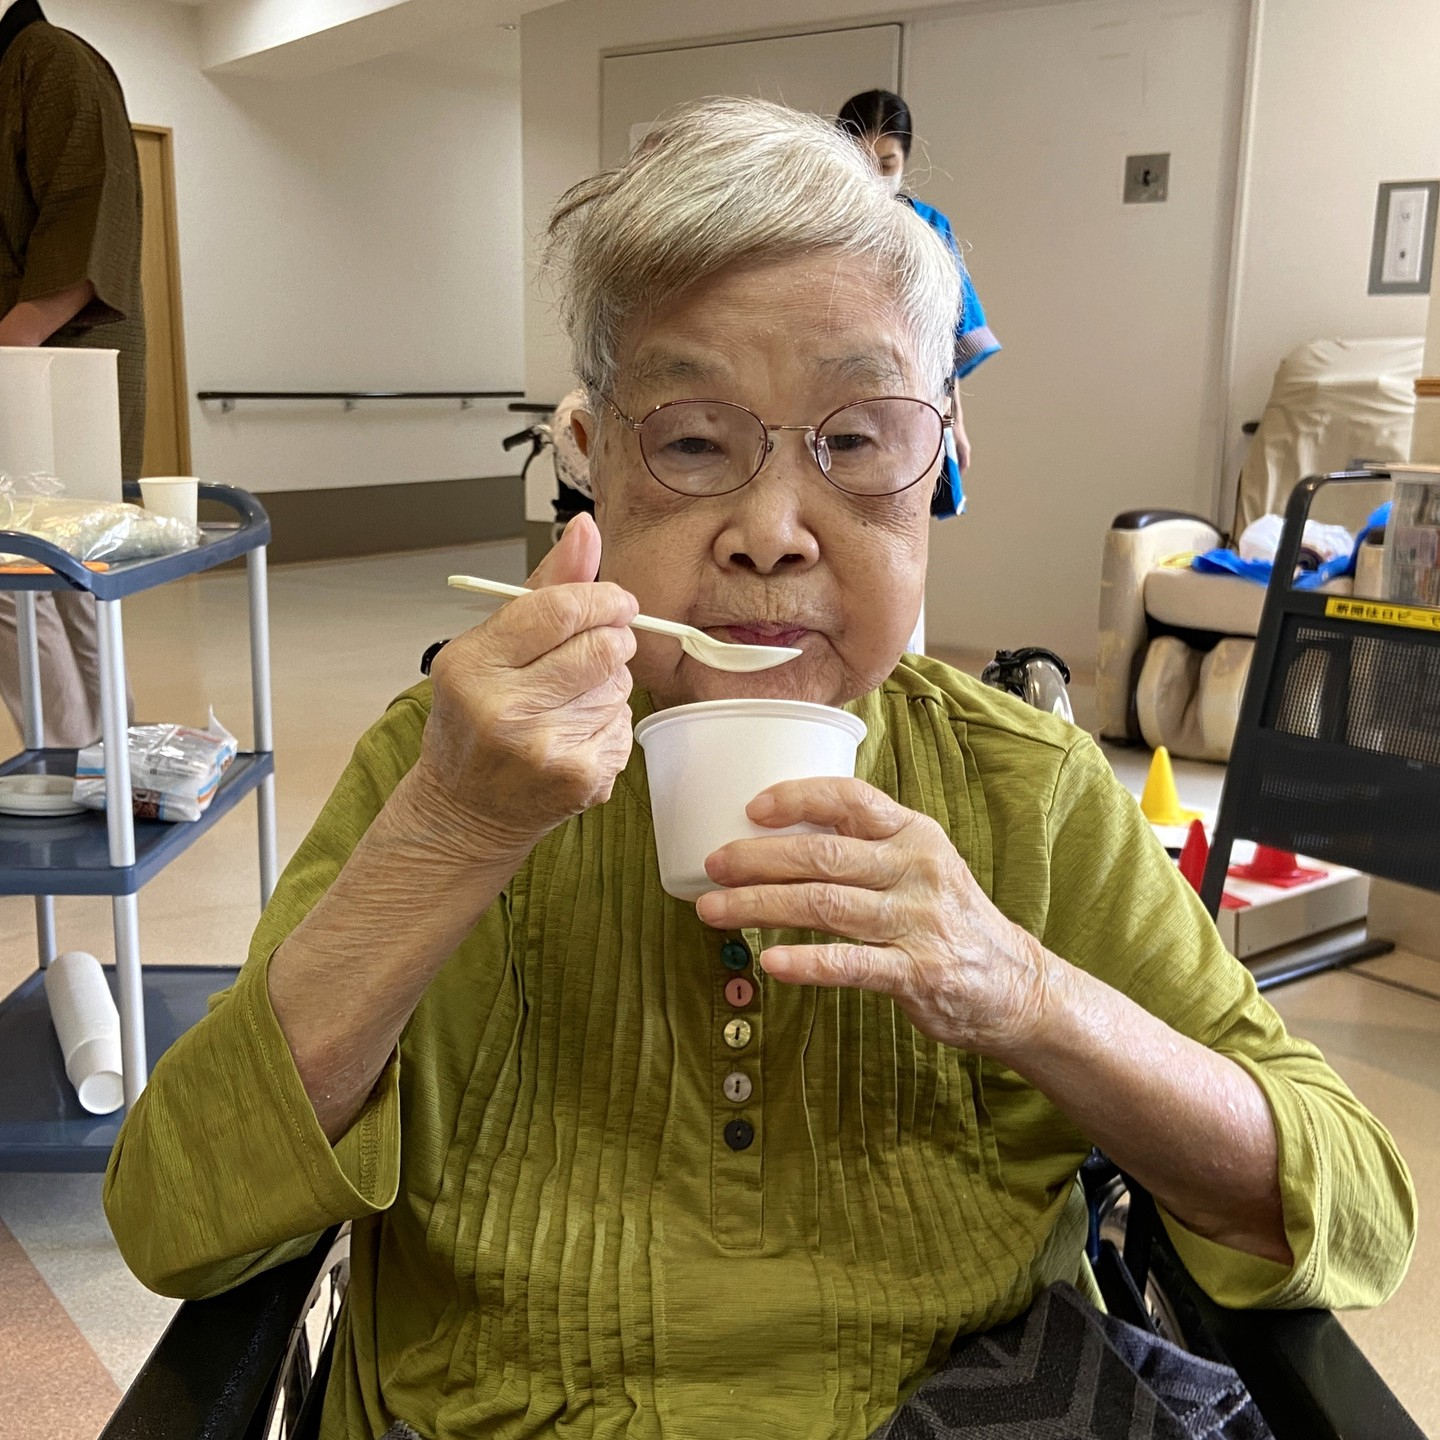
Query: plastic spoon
x=717, y=654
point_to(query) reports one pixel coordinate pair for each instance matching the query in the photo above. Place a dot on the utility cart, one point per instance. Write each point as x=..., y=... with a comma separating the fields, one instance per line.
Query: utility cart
x=42, y=1125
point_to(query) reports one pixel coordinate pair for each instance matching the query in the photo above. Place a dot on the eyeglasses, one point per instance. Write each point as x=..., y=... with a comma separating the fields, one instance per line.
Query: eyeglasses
x=711, y=447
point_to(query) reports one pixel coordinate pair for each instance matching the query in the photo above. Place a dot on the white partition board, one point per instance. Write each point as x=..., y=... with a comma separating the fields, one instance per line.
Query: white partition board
x=816, y=72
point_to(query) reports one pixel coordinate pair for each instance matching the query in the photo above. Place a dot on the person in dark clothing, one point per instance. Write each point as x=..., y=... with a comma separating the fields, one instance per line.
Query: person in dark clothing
x=70, y=229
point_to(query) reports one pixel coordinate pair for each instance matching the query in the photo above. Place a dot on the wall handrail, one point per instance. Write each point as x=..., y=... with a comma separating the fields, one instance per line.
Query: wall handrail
x=351, y=398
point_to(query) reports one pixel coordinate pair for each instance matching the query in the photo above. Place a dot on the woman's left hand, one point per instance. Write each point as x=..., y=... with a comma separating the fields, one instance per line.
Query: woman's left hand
x=890, y=881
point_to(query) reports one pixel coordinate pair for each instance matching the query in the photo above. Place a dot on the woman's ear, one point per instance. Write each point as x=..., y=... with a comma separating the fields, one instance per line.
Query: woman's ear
x=585, y=428
x=582, y=427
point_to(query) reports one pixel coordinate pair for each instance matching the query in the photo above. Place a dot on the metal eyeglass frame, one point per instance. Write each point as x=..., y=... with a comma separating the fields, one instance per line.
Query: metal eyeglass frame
x=811, y=433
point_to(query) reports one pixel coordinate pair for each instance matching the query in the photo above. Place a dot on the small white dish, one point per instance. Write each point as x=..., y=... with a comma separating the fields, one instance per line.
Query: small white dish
x=38, y=795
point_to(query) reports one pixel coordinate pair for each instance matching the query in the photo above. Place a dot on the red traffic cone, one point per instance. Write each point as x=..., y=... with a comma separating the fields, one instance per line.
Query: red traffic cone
x=1277, y=868
x=1194, y=855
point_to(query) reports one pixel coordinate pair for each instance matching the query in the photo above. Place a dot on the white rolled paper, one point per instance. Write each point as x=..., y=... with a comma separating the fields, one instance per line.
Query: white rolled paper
x=87, y=1024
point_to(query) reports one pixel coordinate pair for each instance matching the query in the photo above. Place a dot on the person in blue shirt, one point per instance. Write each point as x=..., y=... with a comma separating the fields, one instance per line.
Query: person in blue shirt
x=880, y=120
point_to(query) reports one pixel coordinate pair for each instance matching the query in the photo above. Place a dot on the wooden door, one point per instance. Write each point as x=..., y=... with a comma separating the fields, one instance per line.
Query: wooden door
x=167, y=405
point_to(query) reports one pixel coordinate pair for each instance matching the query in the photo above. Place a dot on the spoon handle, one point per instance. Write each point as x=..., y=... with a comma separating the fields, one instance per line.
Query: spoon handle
x=511, y=592
x=486, y=587
x=664, y=627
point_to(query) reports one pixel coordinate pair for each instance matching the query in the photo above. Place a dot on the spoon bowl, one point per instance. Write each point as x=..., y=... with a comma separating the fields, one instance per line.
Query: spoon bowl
x=717, y=654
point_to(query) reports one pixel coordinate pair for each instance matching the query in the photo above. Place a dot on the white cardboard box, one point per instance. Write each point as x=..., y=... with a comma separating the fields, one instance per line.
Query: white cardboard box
x=1279, y=917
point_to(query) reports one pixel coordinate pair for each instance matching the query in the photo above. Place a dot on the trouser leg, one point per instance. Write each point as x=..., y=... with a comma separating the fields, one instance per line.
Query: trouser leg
x=71, y=703
x=77, y=614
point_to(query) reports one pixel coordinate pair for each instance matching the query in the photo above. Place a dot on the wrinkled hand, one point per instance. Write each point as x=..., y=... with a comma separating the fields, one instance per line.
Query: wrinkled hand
x=530, y=722
x=920, y=927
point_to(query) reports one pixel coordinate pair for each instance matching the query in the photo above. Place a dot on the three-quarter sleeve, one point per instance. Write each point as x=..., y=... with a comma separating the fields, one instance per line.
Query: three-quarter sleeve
x=221, y=1169
x=975, y=342
x=83, y=175
x=1119, y=909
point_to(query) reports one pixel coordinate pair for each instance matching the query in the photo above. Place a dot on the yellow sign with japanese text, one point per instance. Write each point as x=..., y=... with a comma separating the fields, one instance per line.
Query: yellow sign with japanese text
x=1378, y=612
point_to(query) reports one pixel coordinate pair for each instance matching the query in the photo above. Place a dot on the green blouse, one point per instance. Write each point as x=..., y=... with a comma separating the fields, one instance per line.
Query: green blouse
x=557, y=1227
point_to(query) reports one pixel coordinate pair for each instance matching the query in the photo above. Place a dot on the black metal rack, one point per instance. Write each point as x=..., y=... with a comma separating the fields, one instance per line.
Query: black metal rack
x=1337, y=751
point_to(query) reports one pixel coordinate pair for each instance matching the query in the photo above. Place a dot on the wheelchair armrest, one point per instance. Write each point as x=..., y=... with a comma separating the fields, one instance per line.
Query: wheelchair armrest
x=1307, y=1375
x=216, y=1363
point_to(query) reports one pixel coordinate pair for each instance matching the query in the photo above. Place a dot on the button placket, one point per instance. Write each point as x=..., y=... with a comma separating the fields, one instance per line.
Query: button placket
x=736, y=1189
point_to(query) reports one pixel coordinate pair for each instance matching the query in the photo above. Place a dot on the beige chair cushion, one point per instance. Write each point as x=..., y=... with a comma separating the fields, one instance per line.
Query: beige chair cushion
x=1193, y=601
x=1226, y=603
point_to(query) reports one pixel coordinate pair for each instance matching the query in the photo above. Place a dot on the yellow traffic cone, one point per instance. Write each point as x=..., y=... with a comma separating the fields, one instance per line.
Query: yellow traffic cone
x=1160, y=803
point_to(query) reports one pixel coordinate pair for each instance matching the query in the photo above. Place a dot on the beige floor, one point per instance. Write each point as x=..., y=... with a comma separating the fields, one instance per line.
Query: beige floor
x=347, y=637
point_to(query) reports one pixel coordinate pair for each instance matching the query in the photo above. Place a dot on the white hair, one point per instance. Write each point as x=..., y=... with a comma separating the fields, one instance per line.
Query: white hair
x=730, y=181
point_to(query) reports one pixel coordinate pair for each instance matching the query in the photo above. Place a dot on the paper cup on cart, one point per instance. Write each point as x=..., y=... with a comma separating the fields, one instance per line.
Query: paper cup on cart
x=87, y=1025
x=177, y=496
x=705, y=763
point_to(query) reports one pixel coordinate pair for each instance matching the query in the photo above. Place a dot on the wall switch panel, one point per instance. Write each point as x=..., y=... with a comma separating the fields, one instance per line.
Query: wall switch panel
x=1147, y=179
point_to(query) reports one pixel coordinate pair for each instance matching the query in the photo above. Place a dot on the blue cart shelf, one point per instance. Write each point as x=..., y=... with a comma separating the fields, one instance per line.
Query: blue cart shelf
x=42, y=1126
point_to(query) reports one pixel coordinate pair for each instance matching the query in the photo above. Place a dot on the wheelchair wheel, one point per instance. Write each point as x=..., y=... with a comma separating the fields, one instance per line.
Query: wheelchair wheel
x=1114, y=1208
x=304, y=1370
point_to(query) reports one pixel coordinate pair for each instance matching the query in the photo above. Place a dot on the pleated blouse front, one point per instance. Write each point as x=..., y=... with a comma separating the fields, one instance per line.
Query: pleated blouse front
x=596, y=1195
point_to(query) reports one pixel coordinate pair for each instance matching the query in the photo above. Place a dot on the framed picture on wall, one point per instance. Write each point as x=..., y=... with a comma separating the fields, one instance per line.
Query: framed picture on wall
x=1403, y=249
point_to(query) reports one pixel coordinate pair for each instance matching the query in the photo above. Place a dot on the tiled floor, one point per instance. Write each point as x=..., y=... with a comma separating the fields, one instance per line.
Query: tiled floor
x=74, y=1326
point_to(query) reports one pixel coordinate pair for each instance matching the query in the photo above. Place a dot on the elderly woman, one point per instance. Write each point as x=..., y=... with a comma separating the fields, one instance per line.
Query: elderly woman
x=584, y=1201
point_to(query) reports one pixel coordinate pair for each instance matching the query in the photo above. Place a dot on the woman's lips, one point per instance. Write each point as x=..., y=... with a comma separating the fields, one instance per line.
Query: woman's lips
x=759, y=632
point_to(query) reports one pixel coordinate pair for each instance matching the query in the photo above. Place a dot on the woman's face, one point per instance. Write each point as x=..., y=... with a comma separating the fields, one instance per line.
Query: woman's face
x=787, y=559
x=890, y=157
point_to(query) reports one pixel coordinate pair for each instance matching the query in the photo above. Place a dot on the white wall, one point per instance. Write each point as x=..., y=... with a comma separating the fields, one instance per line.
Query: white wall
x=1107, y=393
x=358, y=229
x=1346, y=97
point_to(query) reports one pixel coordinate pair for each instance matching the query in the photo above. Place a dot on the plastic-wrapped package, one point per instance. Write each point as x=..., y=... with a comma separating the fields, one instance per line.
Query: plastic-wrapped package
x=174, y=771
x=88, y=530
x=1321, y=543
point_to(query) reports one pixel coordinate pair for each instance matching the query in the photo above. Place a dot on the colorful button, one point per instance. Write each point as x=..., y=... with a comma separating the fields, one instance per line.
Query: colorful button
x=739, y=992
x=737, y=1087
x=737, y=1033
x=735, y=955
x=739, y=1134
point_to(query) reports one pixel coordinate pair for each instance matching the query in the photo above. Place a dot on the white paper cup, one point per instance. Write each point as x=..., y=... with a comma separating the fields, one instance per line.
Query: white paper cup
x=707, y=762
x=87, y=1025
x=174, y=495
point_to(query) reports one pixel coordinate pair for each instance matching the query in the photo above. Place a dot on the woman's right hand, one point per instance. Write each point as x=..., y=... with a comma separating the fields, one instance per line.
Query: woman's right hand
x=530, y=722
